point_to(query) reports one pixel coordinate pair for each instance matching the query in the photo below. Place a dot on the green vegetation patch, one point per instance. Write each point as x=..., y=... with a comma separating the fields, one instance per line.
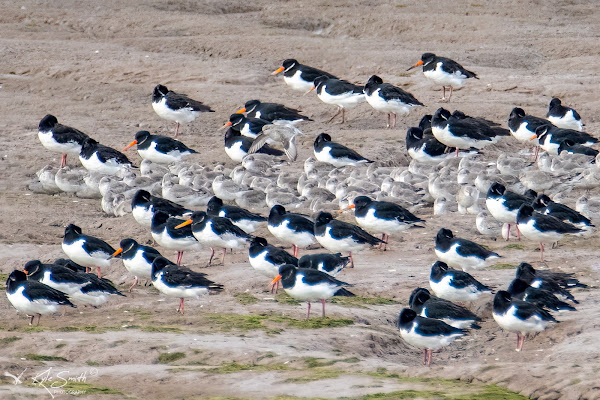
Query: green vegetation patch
x=245, y=298
x=167, y=358
x=503, y=266
x=40, y=357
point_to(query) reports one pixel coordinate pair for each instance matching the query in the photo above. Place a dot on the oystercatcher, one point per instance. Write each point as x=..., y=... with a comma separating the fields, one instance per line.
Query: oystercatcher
x=564, y=117
x=545, y=205
x=383, y=217
x=216, y=232
x=177, y=281
x=81, y=287
x=86, y=250
x=159, y=149
x=272, y=112
x=519, y=316
x=389, y=99
x=144, y=205
x=250, y=127
x=551, y=137
x=426, y=305
x=461, y=253
x=341, y=93
x=504, y=205
x=454, y=285
x=242, y=218
x=137, y=259
x=33, y=298
x=237, y=146
x=176, y=107
x=542, y=228
x=338, y=236
x=522, y=126
x=101, y=159
x=571, y=147
x=444, y=71
x=164, y=233
x=428, y=150
x=520, y=290
x=266, y=258
x=426, y=333
x=60, y=138
x=336, y=154
x=559, y=283
x=329, y=263
x=291, y=228
x=298, y=76
x=310, y=285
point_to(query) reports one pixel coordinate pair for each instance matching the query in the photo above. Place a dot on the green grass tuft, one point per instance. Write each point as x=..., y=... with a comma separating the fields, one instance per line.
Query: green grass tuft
x=285, y=298
x=503, y=266
x=86, y=389
x=166, y=358
x=515, y=246
x=360, y=301
x=8, y=340
x=40, y=357
x=313, y=362
x=232, y=367
x=245, y=298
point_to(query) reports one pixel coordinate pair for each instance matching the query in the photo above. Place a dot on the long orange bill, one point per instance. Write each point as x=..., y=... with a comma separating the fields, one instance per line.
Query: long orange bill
x=119, y=251
x=277, y=278
x=351, y=206
x=310, y=90
x=26, y=272
x=186, y=223
x=241, y=110
x=533, y=137
x=278, y=70
x=228, y=123
x=420, y=62
x=130, y=144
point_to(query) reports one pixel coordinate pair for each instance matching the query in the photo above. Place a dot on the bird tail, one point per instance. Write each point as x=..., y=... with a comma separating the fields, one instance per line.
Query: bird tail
x=344, y=292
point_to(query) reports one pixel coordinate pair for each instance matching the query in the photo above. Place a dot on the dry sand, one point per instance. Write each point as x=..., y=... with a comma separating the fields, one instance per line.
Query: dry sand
x=94, y=64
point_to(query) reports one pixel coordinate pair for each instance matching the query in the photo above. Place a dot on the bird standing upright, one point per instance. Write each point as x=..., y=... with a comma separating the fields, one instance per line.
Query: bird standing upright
x=176, y=107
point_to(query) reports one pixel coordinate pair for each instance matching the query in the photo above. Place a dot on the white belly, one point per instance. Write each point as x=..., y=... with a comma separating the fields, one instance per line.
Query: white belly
x=177, y=291
x=296, y=83
x=511, y=323
x=282, y=232
x=445, y=291
x=390, y=106
x=151, y=154
x=209, y=238
x=530, y=232
x=567, y=122
x=346, y=100
x=182, y=115
x=142, y=215
x=76, y=253
x=40, y=306
x=304, y=292
x=427, y=342
x=453, y=259
x=442, y=78
x=523, y=134
x=52, y=145
x=181, y=244
x=342, y=245
x=260, y=264
x=235, y=152
x=498, y=211
x=93, y=164
x=325, y=156
x=375, y=225
x=138, y=266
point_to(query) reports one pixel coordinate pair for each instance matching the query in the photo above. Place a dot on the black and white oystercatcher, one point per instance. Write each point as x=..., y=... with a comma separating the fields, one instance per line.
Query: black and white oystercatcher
x=520, y=290
x=291, y=228
x=159, y=149
x=237, y=146
x=101, y=159
x=32, y=297
x=426, y=333
x=461, y=253
x=425, y=148
x=242, y=218
x=454, y=285
x=340, y=93
x=519, y=316
x=336, y=154
x=272, y=112
x=564, y=117
x=85, y=250
x=144, y=205
x=176, y=107
x=444, y=71
x=426, y=305
x=164, y=233
x=299, y=76
x=137, y=259
x=177, y=281
x=504, y=205
x=250, y=127
x=266, y=258
x=389, y=99
x=60, y=138
x=329, y=263
x=310, y=285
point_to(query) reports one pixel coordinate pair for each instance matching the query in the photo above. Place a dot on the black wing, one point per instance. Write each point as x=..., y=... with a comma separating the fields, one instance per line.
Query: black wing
x=279, y=256
x=439, y=308
x=106, y=153
x=468, y=248
x=340, y=229
x=341, y=151
x=313, y=277
x=435, y=327
x=177, y=101
x=174, y=275
x=451, y=67
x=66, y=134
x=92, y=245
x=389, y=210
x=38, y=291
x=550, y=223
x=525, y=310
x=389, y=91
x=309, y=74
x=166, y=144
x=462, y=279
x=237, y=213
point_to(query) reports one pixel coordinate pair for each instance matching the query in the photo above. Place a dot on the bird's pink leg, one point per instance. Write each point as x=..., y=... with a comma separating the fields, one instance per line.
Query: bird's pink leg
x=180, y=309
x=351, y=259
x=323, y=303
x=542, y=251
x=98, y=271
x=295, y=250
x=389, y=118
x=457, y=152
x=518, y=232
x=444, y=95
x=451, y=89
x=63, y=161
x=336, y=114
x=537, y=150
x=223, y=258
x=425, y=356
x=176, y=129
x=212, y=254
x=393, y=120
x=308, y=311
x=179, y=257
x=429, y=352
x=343, y=115
x=135, y=281
x=508, y=233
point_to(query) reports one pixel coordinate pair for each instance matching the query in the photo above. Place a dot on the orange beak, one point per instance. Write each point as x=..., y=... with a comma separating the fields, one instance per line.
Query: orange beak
x=278, y=70
x=241, y=110
x=186, y=223
x=420, y=62
x=118, y=252
x=130, y=144
x=228, y=123
x=26, y=273
x=351, y=206
x=310, y=90
x=274, y=281
x=533, y=137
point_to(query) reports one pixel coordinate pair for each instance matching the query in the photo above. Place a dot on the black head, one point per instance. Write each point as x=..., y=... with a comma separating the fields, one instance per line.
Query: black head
x=287, y=271
x=502, y=300
x=320, y=80
x=72, y=229
x=525, y=211
x=251, y=105
x=444, y=234
x=259, y=241
x=88, y=142
x=525, y=272
x=198, y=216
x=277, y=210
x=237, y=119
x=289, y=63
x=406, y=316
x=542, y=131
x=214, y=205
x=323, y=137
x=323, y=218
x=425, y=122
x=231, y=132
x=141, y=196
x=459, y=114
x=496, y=189
x=31, y=267
x=47, y=123
x=362, y=201
x=414, y=134
x=542, y=201
x=142, y=136
x=438, y=269
x=442, y=113
x=565, y=144
x=517, y=286
x=127, y=245
x=516, y=113
x=530, y=194
x=418, y=297
x=374, y=80
x=16, y=276
x=159, y=91
x=160, y=217
x=427, y=58
x=159, y=263
x=554, y=103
